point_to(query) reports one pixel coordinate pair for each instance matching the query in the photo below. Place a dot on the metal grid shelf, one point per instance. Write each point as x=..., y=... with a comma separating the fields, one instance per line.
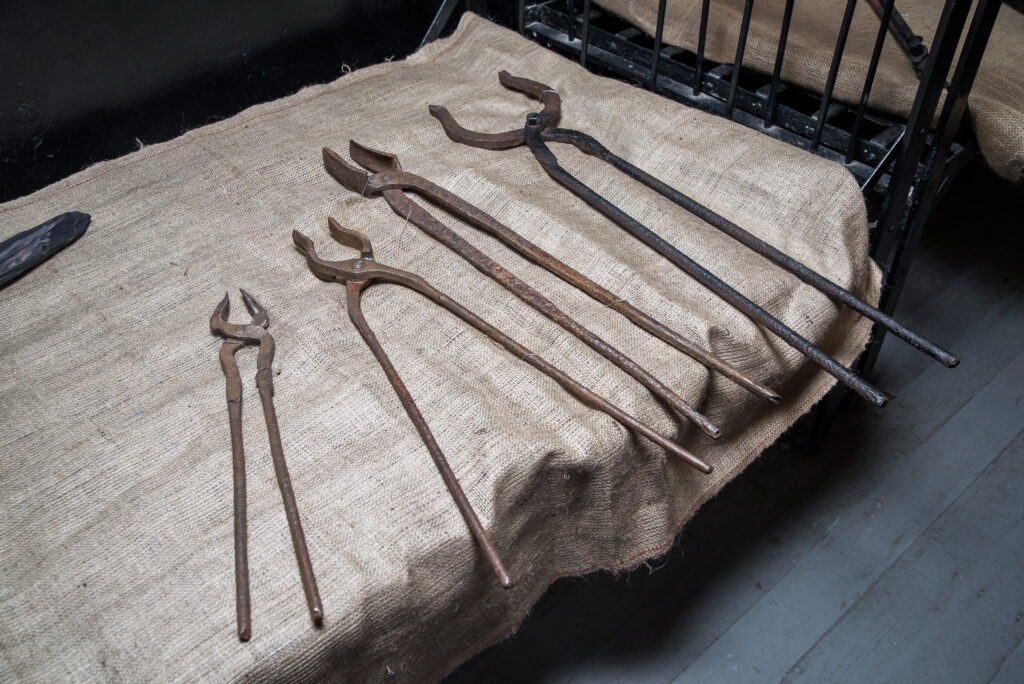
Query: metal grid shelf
x=789, y=114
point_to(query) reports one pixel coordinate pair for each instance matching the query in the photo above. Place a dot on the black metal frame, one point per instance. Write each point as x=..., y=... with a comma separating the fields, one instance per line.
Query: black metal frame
x=903, y=166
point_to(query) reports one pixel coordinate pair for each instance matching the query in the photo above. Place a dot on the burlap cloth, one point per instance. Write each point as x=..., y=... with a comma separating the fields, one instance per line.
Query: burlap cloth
x=116, y=543
x=996, y=102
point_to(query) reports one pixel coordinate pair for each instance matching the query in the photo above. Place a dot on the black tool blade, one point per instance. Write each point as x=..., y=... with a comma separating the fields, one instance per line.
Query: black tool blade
x=32, y=247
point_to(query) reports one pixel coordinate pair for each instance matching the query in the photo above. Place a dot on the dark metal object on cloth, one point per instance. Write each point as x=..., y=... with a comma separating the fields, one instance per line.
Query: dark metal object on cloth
x=35, y=245
x=390, y=176
x=362, y=272
x=911, y=43
x=235, y=337
x=391, y=182
x=537, y=133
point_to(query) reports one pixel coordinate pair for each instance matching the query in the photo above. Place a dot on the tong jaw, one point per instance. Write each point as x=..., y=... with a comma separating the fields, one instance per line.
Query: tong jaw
x=547, y=117
x=237, y=335
x=253, y=332
x=359, y=270
x=374, y=160
x=352, y=178
x=381, y=164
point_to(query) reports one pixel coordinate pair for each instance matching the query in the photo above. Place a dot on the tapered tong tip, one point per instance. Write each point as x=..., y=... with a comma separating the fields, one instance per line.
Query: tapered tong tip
x=352, y=178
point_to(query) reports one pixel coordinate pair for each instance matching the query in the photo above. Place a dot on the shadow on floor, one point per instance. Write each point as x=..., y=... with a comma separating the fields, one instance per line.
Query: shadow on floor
x=617, y=619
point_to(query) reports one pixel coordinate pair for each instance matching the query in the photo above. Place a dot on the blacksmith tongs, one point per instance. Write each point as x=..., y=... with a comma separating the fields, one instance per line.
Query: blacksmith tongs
x=539, y=131
x=362, y=272
x=391, y=182
x=235, y=337
x=389, y=179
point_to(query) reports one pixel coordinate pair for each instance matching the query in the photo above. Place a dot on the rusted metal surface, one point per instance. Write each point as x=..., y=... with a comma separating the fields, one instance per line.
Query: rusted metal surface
x=390, y=181
x=235, y=337
x=537, y=132
x=390, y=176
x=362, y=272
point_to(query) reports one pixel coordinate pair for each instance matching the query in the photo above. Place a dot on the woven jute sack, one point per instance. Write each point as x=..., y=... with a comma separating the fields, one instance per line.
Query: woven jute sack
x=996, y=102
x=116, y=544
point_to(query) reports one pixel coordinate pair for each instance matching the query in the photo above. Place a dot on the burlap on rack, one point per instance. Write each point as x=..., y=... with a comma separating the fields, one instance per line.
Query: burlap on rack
x=115, y=548
x=996, y=102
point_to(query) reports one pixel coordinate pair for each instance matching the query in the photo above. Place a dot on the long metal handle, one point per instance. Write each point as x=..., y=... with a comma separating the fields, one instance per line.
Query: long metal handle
x=405, y=206
x=911, y=43
x=465, y=508
x=243, y=611
x=263, y=383
x=550, y=163
x=569, y=384
x=550, y=263
x=780, y=258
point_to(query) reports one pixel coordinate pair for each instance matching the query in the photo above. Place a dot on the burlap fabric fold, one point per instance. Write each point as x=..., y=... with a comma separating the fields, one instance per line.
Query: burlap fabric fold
x=996, y=102
x=115, y=546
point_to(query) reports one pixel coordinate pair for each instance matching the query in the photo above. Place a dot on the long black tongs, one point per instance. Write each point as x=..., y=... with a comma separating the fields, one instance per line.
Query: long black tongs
x=539, y=131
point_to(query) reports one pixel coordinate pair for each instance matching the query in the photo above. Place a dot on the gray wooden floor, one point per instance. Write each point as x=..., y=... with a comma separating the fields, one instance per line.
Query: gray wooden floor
x=896, y=553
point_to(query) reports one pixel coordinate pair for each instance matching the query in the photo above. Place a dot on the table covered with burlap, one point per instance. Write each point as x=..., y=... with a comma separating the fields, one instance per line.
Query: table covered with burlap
x=996, y=102
x=116, y=539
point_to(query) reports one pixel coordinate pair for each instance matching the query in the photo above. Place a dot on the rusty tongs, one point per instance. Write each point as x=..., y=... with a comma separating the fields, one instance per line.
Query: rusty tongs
x=235, y=337
x=539, y=131
x=389, y=179
x=391, y=182
x=362, y=272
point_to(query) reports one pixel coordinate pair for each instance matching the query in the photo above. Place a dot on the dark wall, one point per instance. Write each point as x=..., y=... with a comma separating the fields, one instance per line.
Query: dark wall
x=90, y=80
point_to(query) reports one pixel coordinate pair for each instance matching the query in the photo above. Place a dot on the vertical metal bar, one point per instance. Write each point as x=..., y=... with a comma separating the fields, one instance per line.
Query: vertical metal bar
x=922, y=112
x=833, y=70
x=894, y=219
x=521, y=16
x=869, y=80
x=769, y=113
x=698, y=77
x=585, y=37
x=737, y=65
x=657, y=45
x=942, y=138
x=570, y=7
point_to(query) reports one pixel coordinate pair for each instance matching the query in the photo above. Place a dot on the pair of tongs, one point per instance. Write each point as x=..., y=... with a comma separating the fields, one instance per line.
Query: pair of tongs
x=539, y=131
x=391, y=181
x=236, y=336
x=359, y=273
x=388, y=175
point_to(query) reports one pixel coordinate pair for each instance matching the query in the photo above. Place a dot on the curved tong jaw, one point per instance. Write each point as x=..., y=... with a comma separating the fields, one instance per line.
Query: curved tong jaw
x=356, y=179
x=252, y=332
x=547, y=117
x=342, y=271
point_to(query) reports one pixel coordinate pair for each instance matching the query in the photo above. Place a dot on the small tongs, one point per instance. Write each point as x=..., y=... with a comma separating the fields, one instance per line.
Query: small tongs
x=236, y=336
x=359, y=273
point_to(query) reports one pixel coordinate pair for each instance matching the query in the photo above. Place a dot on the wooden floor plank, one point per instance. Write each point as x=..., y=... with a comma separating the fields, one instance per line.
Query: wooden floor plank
x=868, y=535
x=741, y=543
x=967, y=292
x=912, y=419
x=947, y=309
x=1012, y=669
x=951, y=607
x=789, y=501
